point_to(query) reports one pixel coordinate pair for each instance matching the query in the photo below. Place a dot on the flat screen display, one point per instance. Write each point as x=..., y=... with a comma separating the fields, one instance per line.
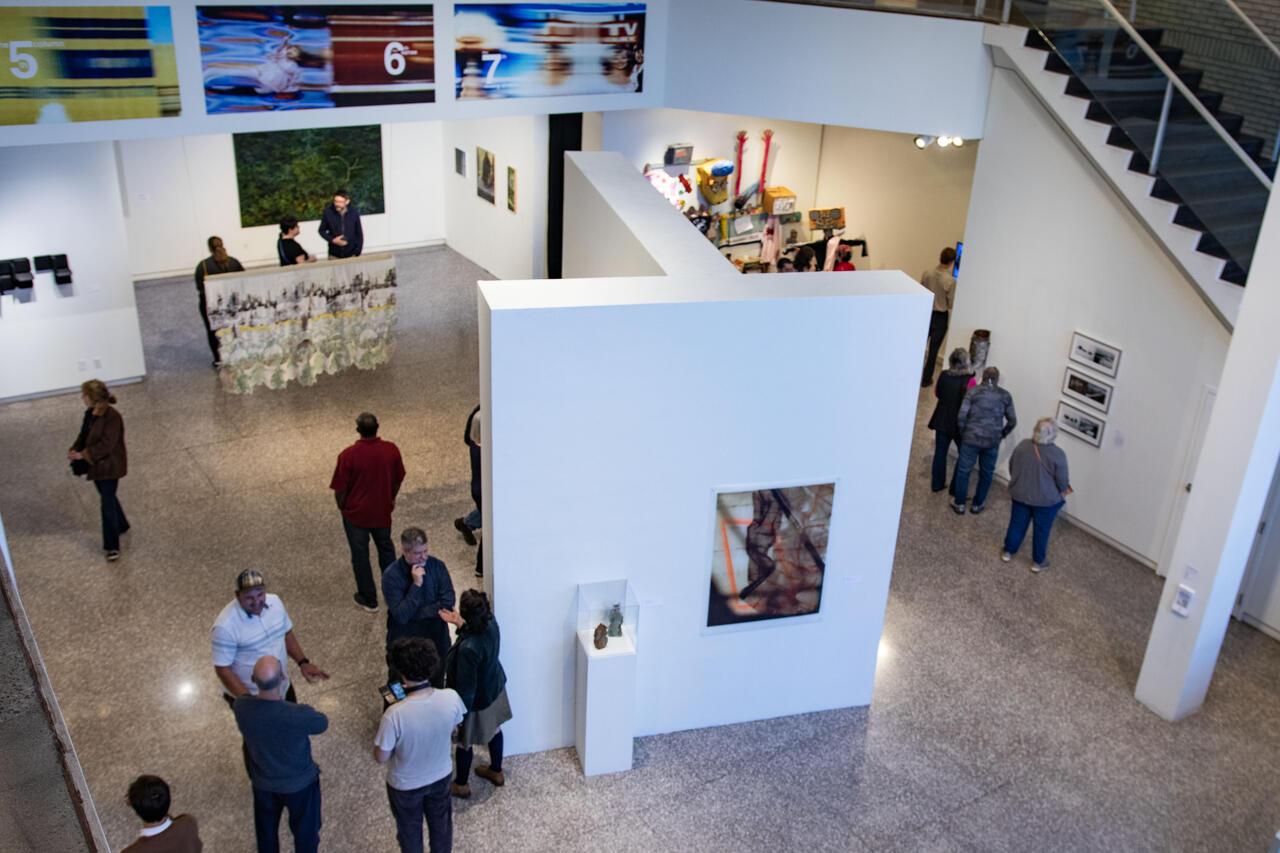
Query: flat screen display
x=955, y=268
x=267, y=58
x=86, y=63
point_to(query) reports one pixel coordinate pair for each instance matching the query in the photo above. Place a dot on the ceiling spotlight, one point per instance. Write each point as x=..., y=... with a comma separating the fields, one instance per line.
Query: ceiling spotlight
x=923, y=142
x=957, y=141
x=944, y=141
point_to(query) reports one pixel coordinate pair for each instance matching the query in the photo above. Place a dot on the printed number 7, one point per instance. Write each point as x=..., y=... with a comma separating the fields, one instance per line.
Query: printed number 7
x=26, y=60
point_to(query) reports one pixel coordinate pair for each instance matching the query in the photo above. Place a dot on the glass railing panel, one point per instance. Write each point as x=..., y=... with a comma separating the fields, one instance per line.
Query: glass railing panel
x=989, y=10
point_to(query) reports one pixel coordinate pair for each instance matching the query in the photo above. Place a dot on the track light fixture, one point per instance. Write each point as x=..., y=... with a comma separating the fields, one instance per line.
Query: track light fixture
x=923, y=142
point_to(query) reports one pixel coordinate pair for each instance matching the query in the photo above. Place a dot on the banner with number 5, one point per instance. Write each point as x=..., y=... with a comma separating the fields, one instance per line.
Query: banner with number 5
x=86, y=63
x=263, y=58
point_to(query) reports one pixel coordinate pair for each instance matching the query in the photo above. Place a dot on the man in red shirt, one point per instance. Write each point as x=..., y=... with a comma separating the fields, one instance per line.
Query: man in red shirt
x=365, y=484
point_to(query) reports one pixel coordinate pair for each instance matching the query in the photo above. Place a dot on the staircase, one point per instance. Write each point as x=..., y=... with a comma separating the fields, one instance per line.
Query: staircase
x=1203, y=203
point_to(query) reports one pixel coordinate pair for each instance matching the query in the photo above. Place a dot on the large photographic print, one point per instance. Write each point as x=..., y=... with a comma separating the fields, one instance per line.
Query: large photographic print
x=87, y=63
x=537, y=50
x=1094, y=392
x=264, y=58
x=769, y=556
x=294, y=173
x=1081, y=424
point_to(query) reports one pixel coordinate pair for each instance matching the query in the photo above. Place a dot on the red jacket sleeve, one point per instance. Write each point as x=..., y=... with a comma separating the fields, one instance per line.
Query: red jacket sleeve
x=341, y=476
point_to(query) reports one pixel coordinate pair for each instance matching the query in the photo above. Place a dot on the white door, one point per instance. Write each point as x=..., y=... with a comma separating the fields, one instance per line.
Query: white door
x=1259, y=600
x=1207, y=396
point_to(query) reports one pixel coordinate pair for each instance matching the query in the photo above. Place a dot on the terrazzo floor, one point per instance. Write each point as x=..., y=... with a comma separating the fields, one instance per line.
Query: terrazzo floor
x=1003, y=716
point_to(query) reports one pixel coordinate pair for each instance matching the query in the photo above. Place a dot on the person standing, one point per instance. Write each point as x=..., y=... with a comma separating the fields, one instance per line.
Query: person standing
x=99, y=454
x=365, y=483
x=942, y=284
x=986, y=416
x=1038, y=485
x=952, y=385
x=288, y=249
x=473, y=669
x=470, y=523
x=413, y=741
x=217, y=263
x=340, y=227
x=149, y=797
x=277, y=739
x=254, y=625
x=416, y=587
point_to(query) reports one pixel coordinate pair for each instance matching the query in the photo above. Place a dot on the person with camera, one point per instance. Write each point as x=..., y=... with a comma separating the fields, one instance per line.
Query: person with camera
x=416, y=587
x=413, y=742
x=99, y=454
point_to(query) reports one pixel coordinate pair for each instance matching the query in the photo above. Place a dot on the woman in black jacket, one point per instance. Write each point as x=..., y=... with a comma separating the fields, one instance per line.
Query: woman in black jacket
x=473, y=670
x=952, y=385
x=99, y=454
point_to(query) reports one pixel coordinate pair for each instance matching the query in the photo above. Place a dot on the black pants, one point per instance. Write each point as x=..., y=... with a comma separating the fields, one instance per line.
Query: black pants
x=208, y=330
x=462, y=758
x=113, y=521
x=938, y=322
x=358, y=540
x=304, y=818
x=432, y=802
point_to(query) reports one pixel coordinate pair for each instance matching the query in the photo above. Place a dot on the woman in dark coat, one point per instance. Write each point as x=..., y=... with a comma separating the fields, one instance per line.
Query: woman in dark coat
x=473, y=670
x=952, y=385
x=99, y=454
x=217, y=263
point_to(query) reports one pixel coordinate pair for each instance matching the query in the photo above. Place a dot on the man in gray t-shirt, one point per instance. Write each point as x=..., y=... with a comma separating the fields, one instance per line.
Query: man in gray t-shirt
x=413, y=740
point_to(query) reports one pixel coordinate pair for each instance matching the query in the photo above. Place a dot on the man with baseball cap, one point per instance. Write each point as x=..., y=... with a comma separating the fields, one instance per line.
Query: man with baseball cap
x=253, y=625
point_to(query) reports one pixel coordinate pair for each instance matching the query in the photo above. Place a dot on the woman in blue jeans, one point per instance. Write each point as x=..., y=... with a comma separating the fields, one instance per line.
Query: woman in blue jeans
x=1038, y=484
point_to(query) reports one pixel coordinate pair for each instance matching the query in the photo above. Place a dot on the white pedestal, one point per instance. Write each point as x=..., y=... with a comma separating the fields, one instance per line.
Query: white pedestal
x=606, y=702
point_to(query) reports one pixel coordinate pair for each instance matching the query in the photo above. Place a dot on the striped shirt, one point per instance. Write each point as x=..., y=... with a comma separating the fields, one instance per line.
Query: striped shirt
x=239, y=639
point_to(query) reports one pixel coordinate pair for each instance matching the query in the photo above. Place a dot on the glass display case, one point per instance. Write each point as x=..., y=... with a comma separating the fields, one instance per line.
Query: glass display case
x=597, y=603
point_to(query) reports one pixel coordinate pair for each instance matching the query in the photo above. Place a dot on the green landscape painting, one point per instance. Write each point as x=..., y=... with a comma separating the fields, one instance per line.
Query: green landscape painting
x=295, y=172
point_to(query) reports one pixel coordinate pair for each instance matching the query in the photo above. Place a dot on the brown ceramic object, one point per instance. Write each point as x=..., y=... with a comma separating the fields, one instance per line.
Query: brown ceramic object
x=602, y=636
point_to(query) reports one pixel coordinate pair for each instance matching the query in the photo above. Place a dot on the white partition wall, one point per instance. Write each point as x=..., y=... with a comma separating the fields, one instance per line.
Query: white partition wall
x=617, y=409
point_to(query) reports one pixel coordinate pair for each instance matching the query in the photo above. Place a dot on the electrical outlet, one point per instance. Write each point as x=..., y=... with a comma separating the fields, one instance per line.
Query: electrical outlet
x=1182, y=600
x=83, y=366
x=97, y=362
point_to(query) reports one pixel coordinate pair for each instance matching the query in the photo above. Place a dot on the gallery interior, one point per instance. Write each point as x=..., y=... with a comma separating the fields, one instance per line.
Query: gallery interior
x=738, y=613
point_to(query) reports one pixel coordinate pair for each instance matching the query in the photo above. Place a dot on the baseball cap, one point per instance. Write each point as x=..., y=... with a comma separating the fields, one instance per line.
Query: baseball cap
x=248, y=579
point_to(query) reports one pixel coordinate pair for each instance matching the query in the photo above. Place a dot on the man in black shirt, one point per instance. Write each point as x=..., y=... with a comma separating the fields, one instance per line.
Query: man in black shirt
x=340, y=227
x=288, y=249
x=277, y=738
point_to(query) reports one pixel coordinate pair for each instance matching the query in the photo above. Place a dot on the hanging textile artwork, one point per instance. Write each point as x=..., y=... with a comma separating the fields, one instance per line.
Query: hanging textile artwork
x=288, y=324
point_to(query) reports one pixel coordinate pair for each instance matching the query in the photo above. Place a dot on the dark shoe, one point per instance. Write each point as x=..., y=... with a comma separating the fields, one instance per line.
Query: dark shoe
x=935, y=491
x=479, y=571
x=112, y=556
x=462, y=792
x=958, y=509
x=467, y=535
x=364, y=605
x=977, y=508
x=484, y=771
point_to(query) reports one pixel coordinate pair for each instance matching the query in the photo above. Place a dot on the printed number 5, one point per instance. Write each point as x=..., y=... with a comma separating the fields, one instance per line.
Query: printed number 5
x=393, y=58
x=25, y=60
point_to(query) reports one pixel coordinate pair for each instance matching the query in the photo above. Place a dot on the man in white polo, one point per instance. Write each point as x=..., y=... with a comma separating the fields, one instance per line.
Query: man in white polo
x=255, y=624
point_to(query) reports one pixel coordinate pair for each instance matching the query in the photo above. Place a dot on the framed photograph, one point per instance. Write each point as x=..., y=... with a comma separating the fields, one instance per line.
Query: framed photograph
x=511, y=189
x=1083, y=425
x=460, y=162
x=1086, y=389
x=485, y=169
x=1093, y=353
x=768, y=553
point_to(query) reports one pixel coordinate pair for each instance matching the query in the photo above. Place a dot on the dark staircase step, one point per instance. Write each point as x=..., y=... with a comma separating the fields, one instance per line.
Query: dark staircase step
x=1036, y=36
x=1109, y=108
x=1120, y=67
x=1090, y=85
x=1181, y=141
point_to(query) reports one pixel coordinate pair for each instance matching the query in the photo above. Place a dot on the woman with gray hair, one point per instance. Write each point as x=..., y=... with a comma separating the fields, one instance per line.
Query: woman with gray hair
x=952, y=385
x=1038, y=485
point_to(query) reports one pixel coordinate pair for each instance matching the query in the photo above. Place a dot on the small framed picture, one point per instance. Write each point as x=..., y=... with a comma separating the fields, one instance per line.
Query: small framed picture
x=1083, y=425
x=511, y=189
x=1094, y=354
x=1083, y=387
x=460, y=162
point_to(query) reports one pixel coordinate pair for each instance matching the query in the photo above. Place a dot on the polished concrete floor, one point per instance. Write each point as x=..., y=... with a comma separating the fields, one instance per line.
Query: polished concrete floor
x=1003, y=717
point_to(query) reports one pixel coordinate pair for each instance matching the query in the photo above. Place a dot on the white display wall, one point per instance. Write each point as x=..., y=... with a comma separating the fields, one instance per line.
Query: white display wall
x=66, y=200
x=618, y=406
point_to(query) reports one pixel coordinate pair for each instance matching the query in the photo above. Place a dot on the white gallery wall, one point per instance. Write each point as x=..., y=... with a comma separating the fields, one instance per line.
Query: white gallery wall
x=65, y=199
x=180, y=190
x=1050, y=249
x=621, y=404
x=508, y=245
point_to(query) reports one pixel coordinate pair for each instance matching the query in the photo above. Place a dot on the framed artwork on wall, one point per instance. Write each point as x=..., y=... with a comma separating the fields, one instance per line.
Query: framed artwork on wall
x=485, y=177
x=460, y=162
x=1083, y=425
x=511, y=189
x=768, y=553
x=1094, y=354
x=1083, y=387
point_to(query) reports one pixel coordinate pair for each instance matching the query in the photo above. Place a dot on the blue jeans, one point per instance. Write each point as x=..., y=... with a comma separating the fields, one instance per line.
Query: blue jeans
x=986, y=459
x=1023, y=515
x=304, y=818
x=473, y=519
x=113, y=521
x=432, y=802
x=941, y=444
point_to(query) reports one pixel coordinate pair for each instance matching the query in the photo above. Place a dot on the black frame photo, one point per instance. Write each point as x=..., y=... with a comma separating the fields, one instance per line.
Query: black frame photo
x=1095, y=354
x=1087, y=389
x=1078, y=423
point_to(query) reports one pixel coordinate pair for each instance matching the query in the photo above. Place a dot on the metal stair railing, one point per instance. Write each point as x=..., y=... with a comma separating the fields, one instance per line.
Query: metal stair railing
x=1269, y=44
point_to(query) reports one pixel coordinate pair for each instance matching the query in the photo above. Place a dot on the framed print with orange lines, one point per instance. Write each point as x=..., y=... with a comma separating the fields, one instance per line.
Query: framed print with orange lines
x=769, y=553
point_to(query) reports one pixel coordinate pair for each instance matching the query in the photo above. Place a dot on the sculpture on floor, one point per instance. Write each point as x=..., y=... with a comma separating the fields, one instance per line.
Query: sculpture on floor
x=615, y=621
x=601, y=638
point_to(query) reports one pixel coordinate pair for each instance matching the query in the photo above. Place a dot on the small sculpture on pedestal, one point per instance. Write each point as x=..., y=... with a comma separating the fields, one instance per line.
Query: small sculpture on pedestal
x=601, y=637
x=615, y=621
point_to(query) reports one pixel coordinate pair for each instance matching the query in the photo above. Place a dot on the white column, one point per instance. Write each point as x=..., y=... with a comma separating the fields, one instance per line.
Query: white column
x=1229, y=490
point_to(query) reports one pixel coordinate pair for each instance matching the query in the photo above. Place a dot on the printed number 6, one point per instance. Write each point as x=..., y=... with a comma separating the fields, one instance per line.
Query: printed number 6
x=393, y=58
x=26, y=60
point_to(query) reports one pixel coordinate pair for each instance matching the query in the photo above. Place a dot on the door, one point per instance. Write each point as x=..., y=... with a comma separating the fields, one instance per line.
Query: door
x=1207, y=396
x=1259, y=601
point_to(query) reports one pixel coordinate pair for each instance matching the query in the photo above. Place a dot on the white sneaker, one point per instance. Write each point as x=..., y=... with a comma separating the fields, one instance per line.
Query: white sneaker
x=1037, y=568
x=1005, y=556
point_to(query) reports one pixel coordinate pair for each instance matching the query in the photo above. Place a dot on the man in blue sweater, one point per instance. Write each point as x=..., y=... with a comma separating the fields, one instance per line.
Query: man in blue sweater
x=416, y=587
